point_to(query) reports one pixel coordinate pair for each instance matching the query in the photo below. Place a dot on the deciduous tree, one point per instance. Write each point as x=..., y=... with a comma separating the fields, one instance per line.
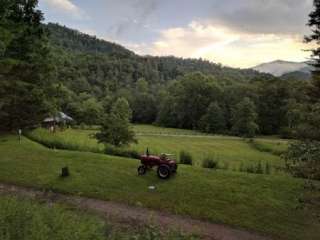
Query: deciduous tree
x=115, y=127
x=245, y=119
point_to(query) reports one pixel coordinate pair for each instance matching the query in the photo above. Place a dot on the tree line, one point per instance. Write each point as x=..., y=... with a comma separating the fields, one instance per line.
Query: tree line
x=50, y=68
x=169, y=91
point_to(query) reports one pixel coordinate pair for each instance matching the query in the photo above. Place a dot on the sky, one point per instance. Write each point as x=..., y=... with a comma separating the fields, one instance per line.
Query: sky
x=236, y=33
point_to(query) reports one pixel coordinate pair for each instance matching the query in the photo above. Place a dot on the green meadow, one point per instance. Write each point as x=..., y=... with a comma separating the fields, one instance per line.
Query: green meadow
x=267, y=204
x=231, y=153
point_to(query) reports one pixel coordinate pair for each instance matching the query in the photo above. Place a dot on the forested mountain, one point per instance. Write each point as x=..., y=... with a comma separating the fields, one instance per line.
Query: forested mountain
x=91, y=74
x=64, y=70
x=279, y=67
x=153, y=69
x=298, y=75
x=76, y=41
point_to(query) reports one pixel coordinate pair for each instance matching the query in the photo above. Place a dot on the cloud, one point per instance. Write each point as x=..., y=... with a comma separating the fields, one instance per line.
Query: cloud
x=136, y=14
x=262, y=16
x=66, y=7
x=224, y=45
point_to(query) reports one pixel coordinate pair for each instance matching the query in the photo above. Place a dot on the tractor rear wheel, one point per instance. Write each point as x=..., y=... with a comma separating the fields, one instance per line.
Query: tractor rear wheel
x=163, y=172
x=142, y=170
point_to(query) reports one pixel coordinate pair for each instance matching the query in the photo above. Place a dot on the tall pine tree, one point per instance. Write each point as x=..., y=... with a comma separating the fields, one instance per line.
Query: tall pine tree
x=314, y=24
x=24, y=65
x=303, y=157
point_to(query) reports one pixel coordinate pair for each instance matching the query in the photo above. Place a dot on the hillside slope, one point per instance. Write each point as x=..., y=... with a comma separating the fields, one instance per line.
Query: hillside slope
x=130, y=67
x=262, y=203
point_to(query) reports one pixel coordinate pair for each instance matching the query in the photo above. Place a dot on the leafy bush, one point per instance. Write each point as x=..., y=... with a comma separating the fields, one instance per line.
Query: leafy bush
x=185, y=158
x=210, y=163
x=303, y=159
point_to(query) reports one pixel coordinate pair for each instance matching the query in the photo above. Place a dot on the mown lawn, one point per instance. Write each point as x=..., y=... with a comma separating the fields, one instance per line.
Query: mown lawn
x=264, y=203
x=232, y=153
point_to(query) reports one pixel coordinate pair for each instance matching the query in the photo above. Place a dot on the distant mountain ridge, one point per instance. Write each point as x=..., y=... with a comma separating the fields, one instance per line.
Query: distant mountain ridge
x=279, y=68
x=106, y=62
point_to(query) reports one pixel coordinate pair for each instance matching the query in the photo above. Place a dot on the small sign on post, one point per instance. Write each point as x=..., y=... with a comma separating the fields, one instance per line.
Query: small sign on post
x=19, y=133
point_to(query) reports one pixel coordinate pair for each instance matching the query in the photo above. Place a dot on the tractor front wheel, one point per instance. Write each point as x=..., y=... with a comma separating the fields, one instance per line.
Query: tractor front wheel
x=142, y=170
x=163, y=172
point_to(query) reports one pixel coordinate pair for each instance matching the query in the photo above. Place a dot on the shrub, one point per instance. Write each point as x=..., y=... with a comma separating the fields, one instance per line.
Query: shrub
x=259, y=169
x=185, y=158
x=267, y=168
x=250, y=169
x=303, y=159
x=210, y=163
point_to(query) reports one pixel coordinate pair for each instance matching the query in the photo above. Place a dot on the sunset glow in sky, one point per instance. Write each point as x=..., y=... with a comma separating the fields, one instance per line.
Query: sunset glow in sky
x=237, y=33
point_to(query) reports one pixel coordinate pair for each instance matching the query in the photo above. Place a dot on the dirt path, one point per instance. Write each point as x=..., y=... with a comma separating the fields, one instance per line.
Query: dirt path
x=135, y=215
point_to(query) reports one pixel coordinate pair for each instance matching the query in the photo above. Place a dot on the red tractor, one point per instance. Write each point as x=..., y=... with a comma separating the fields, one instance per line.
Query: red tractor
x=165, y=165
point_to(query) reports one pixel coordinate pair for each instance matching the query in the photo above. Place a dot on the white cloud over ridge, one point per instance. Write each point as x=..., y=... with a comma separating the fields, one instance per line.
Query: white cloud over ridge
x=66, y=7
x=232, y=32
x=224, y=45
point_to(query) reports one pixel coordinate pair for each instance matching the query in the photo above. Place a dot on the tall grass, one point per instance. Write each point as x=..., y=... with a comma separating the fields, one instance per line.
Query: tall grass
x=65, y=141
x=210, y=163
x=258, y=168
x=186, y=158
x=84, y=142
x=26, y=220
x=231, y=151
x=275, y=147
x=23, y=219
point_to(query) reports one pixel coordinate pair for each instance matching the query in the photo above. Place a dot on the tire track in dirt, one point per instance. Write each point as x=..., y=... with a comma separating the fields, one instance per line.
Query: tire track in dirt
x=136, y=215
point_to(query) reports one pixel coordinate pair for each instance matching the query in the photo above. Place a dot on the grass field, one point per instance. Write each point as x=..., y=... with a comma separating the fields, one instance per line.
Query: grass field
x=264, y=203
x=231, y=152
x=152, y=129
x=25, y=219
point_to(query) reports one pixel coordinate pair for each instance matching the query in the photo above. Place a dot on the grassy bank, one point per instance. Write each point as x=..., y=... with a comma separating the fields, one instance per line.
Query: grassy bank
x=273, y=146
x=24, y=219
x=264, y=203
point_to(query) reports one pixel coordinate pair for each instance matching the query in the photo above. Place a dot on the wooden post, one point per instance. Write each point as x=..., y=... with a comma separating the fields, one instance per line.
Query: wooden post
x=65, y=172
